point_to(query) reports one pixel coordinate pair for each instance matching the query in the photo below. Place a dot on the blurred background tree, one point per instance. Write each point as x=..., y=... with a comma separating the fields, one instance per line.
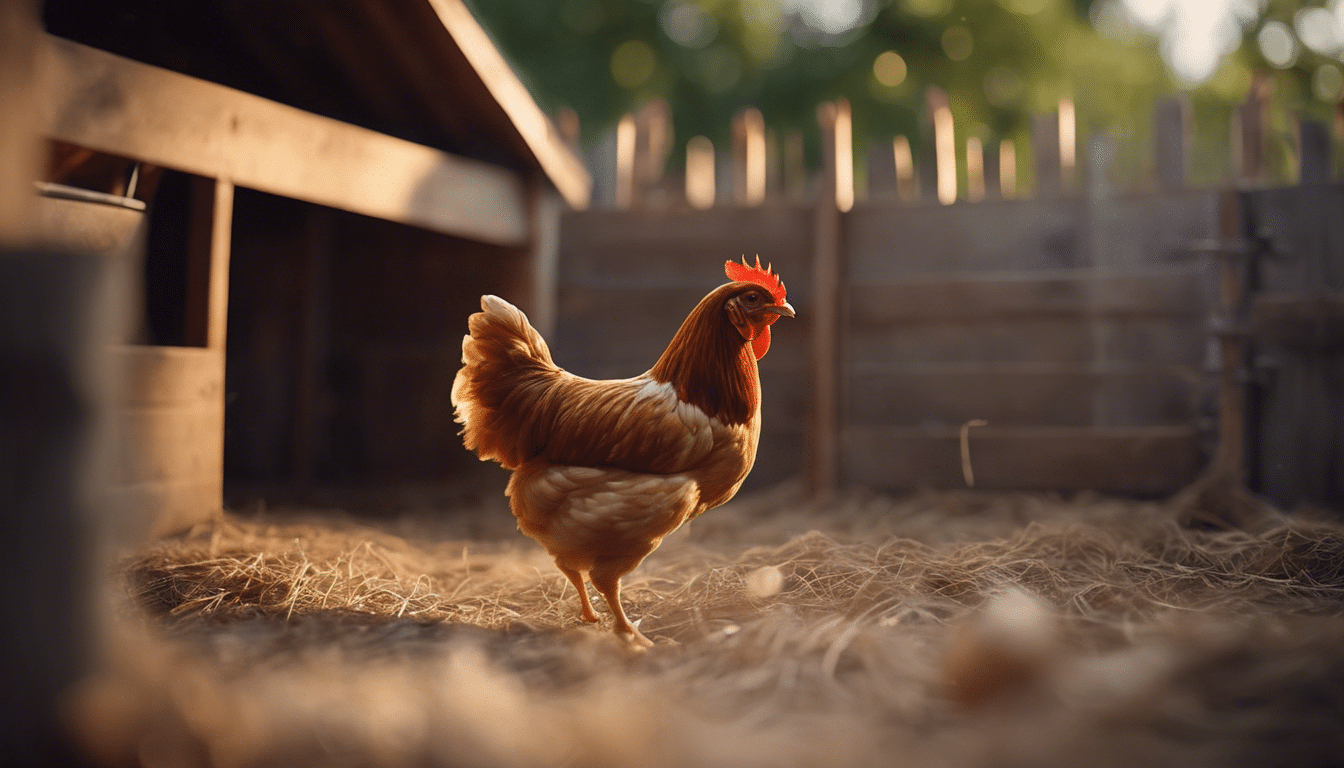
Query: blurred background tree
x=1001, y=61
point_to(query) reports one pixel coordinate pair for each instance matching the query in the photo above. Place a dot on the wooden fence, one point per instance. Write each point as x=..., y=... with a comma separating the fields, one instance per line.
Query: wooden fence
x=1065, y=337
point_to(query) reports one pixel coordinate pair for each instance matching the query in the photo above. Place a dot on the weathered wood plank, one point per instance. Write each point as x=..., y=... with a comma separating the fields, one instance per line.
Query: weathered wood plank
x=178, y=504
x=835, y=196
x=115, y=105
x=642, y=247
x=886, y=242
x=208, y=249
x=1138, y=340
x=1313, y=321
x=169, y=376
x=1142, y=460
x=179, y=442
x=1177, y=291
x=1020, y=395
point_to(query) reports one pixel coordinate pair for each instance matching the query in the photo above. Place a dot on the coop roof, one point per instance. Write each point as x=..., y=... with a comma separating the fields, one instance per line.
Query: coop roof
x=420, y=70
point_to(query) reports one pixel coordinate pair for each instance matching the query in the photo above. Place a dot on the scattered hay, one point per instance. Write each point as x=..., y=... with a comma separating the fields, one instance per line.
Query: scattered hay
x=963, y=629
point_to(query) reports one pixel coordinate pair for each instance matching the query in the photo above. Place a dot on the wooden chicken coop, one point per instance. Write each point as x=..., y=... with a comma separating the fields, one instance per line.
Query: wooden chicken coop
x=316, y=194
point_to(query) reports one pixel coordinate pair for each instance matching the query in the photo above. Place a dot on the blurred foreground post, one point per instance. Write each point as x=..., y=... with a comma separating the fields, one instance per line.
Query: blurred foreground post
x=48, y=407
x=835, y=195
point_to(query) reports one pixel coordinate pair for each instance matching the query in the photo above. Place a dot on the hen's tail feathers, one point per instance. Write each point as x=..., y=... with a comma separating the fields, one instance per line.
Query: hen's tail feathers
x=506, y=366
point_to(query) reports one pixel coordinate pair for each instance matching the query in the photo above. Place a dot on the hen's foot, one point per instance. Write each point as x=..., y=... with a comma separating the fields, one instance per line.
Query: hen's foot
x=635, y=638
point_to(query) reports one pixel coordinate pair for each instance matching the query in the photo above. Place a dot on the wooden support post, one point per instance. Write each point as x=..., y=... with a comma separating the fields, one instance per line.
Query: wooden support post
x=208, y=262
x=1229, y=457
x=209, y=243
x=544, y=256
x=1171, y=140
x=824, y=425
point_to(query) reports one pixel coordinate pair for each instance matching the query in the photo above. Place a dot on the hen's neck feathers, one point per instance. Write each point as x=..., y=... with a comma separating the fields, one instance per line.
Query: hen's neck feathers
x=709, y=363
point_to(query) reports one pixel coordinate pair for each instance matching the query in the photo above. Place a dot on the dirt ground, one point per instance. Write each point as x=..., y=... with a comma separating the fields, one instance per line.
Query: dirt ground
x=947, y=629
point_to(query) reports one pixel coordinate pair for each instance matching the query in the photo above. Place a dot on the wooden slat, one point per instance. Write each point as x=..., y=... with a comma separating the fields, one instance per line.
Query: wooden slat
x=1019, y=395
x=1161, y=291
x=208, y=244
x=1312, y=321
x=1144, y=460
x=176, y=504
x=169, y=376
x=115, y=105
x=828, y=274
x=641, y=247
x=1137, y=340
x=180, y=442
x=886, y=242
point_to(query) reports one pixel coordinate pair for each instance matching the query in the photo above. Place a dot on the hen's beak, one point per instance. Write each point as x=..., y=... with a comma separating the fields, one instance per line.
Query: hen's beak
x=785, y=309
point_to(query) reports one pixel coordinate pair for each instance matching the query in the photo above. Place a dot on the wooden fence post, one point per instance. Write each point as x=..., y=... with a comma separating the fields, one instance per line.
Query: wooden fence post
x=944, y=145
x=1250, y=132
x=907, y=186
x=794, y=172
x=700, y=172
x=975, y=169
x=1007, y=169
x=881, y=163
x=833, y=199
x=1314, y=152
x=1045, y=151
x=1171, y=140
x=625, y=162
x=748, y=157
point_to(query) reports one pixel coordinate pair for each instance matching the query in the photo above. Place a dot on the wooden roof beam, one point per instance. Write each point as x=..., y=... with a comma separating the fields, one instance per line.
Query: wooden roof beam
x=112, y=104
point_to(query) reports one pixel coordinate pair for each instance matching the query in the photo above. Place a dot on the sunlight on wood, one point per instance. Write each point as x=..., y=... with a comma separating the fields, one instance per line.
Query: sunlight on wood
x=945, y=151
x=1007, y=169
x=700, y=173
x=844, y=157
x=625, y=161
x=749, y=160
x=975, y=170
x=1068, y=141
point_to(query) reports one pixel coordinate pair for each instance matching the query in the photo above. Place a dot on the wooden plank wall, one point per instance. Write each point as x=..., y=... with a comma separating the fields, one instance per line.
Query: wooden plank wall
x=628, y=279
x=1297, y=324
x=1079, y=323
x=1082, y=352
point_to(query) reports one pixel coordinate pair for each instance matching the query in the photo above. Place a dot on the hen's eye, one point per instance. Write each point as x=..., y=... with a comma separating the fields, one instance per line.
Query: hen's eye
x=752, y=298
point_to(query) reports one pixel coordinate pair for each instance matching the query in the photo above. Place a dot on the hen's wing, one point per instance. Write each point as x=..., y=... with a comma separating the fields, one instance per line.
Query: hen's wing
x=517, y=405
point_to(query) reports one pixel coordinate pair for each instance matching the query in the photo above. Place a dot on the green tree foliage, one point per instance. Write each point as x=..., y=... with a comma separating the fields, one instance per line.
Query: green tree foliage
x=1001, y=61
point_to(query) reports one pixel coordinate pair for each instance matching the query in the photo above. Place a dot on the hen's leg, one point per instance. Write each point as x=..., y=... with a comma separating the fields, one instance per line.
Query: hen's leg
x=576, y=578
x=607, y=581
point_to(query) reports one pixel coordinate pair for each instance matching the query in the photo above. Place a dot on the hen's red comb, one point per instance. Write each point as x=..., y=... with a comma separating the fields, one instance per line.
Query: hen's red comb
x=763, y=277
